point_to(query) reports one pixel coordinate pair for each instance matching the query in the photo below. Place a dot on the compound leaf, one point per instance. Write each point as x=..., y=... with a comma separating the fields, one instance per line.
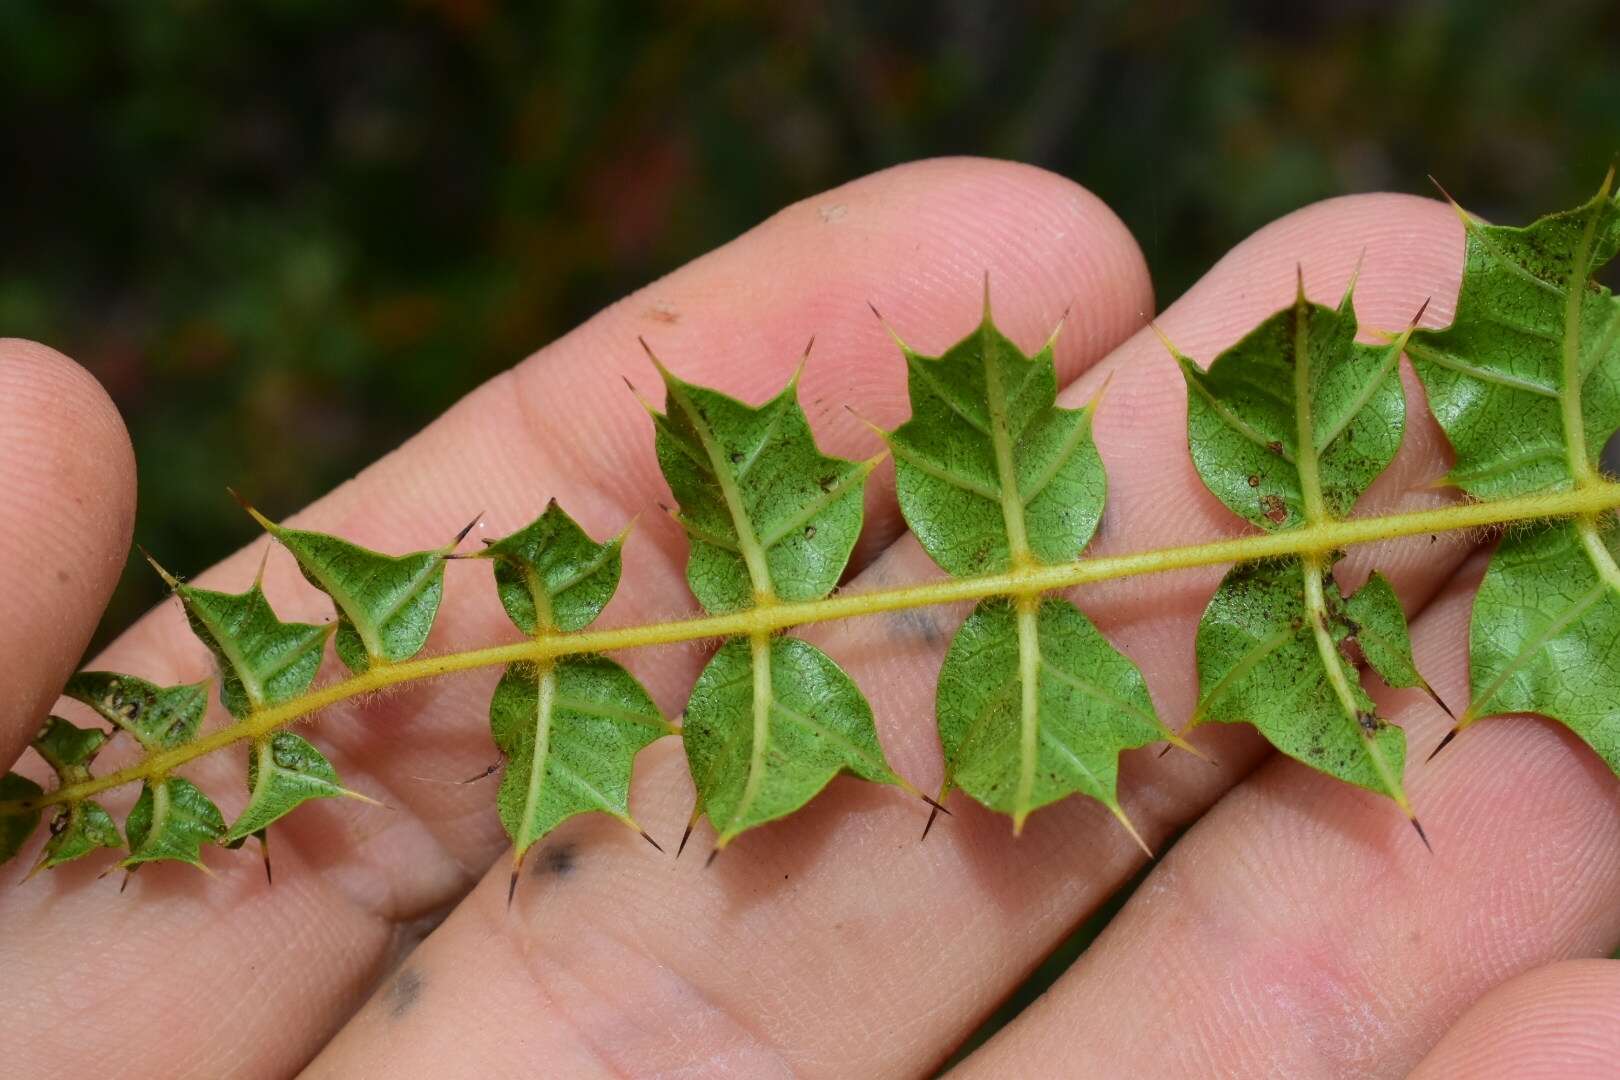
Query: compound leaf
x=769, y=723
x=283, y=771
x=171, y=820
x=385, y=603
x=160, y=717
x=1033, y=703
x=1526, y=383
x=1288, y=428
x=770, y=518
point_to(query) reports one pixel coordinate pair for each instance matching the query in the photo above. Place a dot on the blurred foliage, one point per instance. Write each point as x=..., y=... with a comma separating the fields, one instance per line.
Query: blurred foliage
x=317, y=225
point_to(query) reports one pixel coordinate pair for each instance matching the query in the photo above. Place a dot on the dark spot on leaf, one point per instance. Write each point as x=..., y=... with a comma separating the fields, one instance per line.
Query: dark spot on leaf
x=403, y=993
x=809, y=532
x=1274, y=508
x=1275, y=447
x=736, y=457
x=826, y=482
x=1369, y=722
x=1254, y=480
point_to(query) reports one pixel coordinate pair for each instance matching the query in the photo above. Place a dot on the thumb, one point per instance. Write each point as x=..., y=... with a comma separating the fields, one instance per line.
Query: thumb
x=67, y=505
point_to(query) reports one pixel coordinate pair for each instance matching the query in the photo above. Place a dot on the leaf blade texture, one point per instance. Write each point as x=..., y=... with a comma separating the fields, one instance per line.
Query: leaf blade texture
x=171, y=820
x=159, y=717
x=385, y=604
x=262, y=660
x=770, y=518
x=1091, y=703
x=1526, y=384
x=284, y=771
x=1288, y=428
x=80, y=826
x=770, y=722
x=570, y=732
x=1033, y=704
x=569, y=728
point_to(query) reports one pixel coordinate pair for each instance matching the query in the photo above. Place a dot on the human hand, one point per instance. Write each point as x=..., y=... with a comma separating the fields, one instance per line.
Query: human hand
x=1296, y=929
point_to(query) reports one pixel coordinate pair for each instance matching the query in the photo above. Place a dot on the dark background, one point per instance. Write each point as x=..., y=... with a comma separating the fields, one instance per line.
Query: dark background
x=286, y=235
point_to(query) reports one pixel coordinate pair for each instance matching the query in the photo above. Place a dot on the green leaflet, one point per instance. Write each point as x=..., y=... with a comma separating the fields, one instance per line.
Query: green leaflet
x=551, y=576
x=80, y=826
x=1545, y=629
x=284, y=770
x=1033, y=703
x=262, y=660
x=16, y=825
x=569, y=728
x=385, y=603
x=769, y=723
x=158, y=716
x=1090, y=703
x=768, y=515
x=1526, y=379
x=171, y=820
x=769, y=518
x=1526, y=383
x=570, y=732
x=1245, y=427
x=1377, y=625
x=1260, y=662
x=1288, y=428
x=988, y=470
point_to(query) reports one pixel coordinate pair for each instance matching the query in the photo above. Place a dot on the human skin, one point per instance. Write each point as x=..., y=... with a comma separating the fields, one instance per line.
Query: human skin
x=1297, y=928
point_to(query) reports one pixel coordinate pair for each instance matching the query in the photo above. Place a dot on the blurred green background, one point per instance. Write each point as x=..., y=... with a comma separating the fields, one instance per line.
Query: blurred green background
x=286, y=235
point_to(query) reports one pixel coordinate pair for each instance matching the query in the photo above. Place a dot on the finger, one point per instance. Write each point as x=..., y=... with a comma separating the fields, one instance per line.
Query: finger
x=1298, y=928
x=352, y=884
x=1559, y=1022
x=835, y=943
x=67, y=505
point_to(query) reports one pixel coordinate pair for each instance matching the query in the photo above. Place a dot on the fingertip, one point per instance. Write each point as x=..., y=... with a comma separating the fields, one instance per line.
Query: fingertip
x=67, y=509
x=1562, y=1021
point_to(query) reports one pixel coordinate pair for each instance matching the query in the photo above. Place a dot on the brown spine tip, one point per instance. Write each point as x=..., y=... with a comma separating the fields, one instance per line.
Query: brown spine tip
x=511, y=888
x=656, y=845
x=1422, y=835
x=486, y=773
x=1445, y=742
x=713, y=854
x=932, y=814
x=685, y=836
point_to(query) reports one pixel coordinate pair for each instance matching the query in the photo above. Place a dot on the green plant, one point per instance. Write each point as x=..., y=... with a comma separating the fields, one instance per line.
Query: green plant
x=1003, y=489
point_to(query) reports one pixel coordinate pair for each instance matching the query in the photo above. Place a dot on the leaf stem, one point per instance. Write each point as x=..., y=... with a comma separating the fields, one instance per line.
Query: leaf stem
x=1321, y=538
